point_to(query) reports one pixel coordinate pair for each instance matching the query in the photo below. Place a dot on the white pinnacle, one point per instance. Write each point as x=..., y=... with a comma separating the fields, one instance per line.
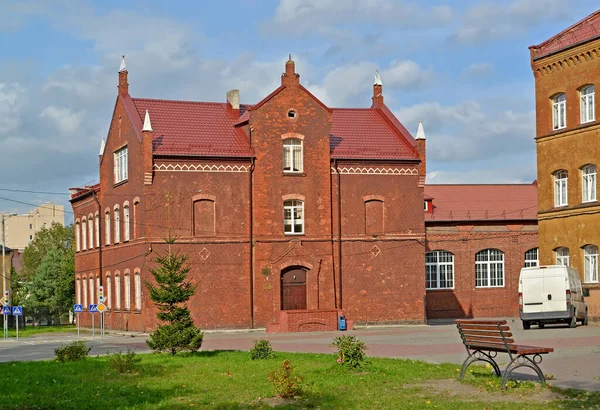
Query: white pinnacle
x=102, y=145
x=123, y=66
x=147, y=125
x=377, y=78
x=420, y=131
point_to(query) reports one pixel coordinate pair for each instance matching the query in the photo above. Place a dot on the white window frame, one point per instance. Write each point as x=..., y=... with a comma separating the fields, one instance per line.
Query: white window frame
x=438, y=264
x=91, y=231
x=127, y=291
x=107, y=227
x=126, y=223
x=292, y=208
x=117, y=225
x=97, y=220
x=85, y=292
x=138, y=291
x=121, y=165
x=590, y=262
x=588, y=183
x=559, y=111
x=532, y=258
x=79, y=291
x=117, y=292
x=92, y=293
x=587, y=97
x=563, y=256
x=109, y=291
x=293, y=155
x=487, y=261
x=77, y=236
x=83, y=234
x=561, y=188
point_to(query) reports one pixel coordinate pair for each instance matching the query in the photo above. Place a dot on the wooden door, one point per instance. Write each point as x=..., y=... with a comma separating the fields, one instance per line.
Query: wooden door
x=293, y=290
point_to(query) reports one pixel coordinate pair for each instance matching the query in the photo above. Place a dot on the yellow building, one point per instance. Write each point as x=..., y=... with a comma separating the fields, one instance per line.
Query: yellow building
x=566, y=68
x=20, y=229
x=5, y=265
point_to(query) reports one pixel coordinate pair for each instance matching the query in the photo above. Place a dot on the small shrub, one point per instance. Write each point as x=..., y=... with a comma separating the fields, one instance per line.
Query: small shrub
x=351, y=351
x=261, y=350
x=72, y=352
x=287, y=385
x=124, y=363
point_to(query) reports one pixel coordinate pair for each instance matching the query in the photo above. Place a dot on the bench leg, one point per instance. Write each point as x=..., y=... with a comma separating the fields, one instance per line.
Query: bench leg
x=523, y=361
x=476, y=356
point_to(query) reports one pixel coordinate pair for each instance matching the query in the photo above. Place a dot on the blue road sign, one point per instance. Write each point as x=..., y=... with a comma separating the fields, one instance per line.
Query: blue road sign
x=6, y=310
x=93, y=308
x=17, y=311
x=78, y=308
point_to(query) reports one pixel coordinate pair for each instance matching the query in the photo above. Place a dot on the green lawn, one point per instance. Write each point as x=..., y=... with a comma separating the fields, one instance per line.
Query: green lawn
x=230, y=380
x=30, y=330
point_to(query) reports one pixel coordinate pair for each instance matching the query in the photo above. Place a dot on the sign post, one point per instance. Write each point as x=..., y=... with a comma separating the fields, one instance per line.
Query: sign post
x=78, y=309
x=101, y=308
x=93, y=309
x=17, y=311
x=5, y=309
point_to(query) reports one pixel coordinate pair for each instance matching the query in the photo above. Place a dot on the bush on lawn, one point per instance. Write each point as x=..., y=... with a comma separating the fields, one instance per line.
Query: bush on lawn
x=72, y=352
x=124, y=363
x=261, y=350
x=287, y=384
x=351, y=351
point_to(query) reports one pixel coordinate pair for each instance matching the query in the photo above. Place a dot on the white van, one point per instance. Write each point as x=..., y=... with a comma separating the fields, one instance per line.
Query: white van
x=551, y=294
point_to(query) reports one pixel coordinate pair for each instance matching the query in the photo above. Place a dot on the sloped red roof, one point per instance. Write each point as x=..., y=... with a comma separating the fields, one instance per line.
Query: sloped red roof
x=580, y=32
x=193, y=128
x=482, y=202
x=364, y=133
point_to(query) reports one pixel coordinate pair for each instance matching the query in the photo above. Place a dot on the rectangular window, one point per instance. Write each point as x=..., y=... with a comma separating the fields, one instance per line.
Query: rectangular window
x=293, y=217
x=121, y=164
x=138, y=292
x=127, y=292
x=107, y=227
x=374, y=217
x=91, y=231
x=85, y=293
x=439, y=270
x=559, y=111
x=292, y=155
x=562, y=256
x=118, y=292
x=97, y=219
x=92, y=294
x=83, y=235
x=531, y=258
x=560, y=188
x=588, y=183
x=117, y=226
x=489, y=269
x=588, y=108
x=79, y=291
x=590, y=255
x=126, y=223
x=204, y=217
x=77, y=237
x=30, y=226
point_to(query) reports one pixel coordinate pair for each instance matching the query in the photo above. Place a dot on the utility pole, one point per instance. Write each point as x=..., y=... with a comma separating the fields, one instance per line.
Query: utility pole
x=3, y=257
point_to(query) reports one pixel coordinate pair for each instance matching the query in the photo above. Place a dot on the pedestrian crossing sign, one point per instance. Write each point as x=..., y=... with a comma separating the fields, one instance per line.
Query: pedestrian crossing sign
x=93, y=308
x=78, y=308
x=6, y=310
x=17, y=310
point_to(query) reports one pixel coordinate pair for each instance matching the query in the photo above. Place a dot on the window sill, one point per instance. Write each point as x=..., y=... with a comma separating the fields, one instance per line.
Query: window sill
x=294, y=174
x=490, y=287
x=439, y=289
x=293, y=234
x=137, y=312
x=123, y=182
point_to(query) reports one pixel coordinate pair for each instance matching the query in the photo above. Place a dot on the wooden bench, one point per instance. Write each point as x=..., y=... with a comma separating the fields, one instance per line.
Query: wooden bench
x=484, y=339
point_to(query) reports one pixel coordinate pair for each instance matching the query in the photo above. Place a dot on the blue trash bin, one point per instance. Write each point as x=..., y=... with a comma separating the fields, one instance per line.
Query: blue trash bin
x=342, y=323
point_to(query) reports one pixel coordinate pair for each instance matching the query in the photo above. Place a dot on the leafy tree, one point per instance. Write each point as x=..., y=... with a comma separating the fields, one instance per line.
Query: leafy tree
x=170, y=294
x=17, y=287
x=55, y=237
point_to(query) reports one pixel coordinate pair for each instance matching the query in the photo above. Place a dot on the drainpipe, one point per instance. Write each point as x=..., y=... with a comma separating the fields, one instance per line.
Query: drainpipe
x=251, y=245
x=333, y=259
x=99, y=235
x=339, y=189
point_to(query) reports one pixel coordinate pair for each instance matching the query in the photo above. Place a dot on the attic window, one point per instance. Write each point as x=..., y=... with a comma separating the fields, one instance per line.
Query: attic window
x=291, y=114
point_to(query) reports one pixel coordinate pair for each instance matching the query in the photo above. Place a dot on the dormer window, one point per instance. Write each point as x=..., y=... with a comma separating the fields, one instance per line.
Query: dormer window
x=292, y=155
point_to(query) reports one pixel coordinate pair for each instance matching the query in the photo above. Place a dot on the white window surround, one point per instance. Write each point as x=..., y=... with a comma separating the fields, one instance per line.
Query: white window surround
x=125, y=223
x=293, y=217
x=85, y=293
x=91, y=231
x=92, y=293
x=588, y=183
x=121, y=165
x=117, y=292
x=590, y=260
x=532, y=258
x=77, y=236
x=489, y=269
x=587, y=97
x=83, y=234
x=97, y=219
x=562, y=256
x=79, y=291
x=117, y=225
x=127, y=291
x=293, y=155
x=108, y=291
x=561, y=187
x=439, y=270
x=559, y=111
x=107, y=227
x=138, y=291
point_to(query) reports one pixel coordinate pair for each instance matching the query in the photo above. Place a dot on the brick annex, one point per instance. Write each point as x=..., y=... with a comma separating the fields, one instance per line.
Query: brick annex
x=292, y=213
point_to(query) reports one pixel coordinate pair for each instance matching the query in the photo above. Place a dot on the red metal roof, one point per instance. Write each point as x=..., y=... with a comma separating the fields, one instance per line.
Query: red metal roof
x=580, y=32
x=482, y=202
x=193, y=128
x=364, y=133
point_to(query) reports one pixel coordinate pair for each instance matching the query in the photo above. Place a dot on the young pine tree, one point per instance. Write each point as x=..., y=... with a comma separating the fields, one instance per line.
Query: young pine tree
x=170, y=294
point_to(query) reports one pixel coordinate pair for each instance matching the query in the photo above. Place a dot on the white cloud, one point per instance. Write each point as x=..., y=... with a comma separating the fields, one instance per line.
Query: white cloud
x=491, y=20
x=66, y=120
x=478, y=70
x=523, y=173
x=11, y=103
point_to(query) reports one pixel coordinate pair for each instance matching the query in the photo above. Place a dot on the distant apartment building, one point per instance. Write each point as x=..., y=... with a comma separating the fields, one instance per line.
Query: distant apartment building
x=20, y=229
x=566, y=68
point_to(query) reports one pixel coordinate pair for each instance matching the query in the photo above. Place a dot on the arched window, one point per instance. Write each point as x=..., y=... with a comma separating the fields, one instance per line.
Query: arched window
x=588, y=105
x=588, y=183
x=138, y=291
x=532, y=258
x=559, y=111
x=204, y=217
x=85, y=293
x=117, y=225
x=92, y=293
x=78, y=291
x=293, y=217
x=590, y=261
x=77, y=236
x=562, y=256
x=97, y=219
x=439, y=270
x=126, y=223
x=127, y=291
x=91, y=231
x=136, y=211
x=292, y=155
x=108, y=291
x=107, y=226
x=374, y=217
x=561, y=179
x=117, y=291
x=489, y=268
x=83, y=234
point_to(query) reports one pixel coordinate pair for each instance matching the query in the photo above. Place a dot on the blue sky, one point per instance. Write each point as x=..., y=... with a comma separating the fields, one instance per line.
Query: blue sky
x=462, y=67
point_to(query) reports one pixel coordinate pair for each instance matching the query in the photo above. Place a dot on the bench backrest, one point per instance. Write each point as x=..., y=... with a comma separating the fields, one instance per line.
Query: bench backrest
x=489, y=333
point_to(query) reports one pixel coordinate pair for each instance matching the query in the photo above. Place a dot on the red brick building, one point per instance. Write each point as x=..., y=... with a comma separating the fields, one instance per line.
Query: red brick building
x=478, y=239
x=291, y=211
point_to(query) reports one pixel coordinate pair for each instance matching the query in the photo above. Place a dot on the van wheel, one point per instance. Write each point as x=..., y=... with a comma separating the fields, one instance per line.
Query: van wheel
x=526, y=325
x=584, y=322
x=541, y=325
x=573, y=322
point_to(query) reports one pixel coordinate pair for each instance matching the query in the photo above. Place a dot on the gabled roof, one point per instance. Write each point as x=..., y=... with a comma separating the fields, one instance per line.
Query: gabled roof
x=193, y=128
x=580, y=32
x=487, y=202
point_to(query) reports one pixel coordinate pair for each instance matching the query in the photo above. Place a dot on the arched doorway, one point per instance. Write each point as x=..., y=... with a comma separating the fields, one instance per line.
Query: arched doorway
x=293, y=289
